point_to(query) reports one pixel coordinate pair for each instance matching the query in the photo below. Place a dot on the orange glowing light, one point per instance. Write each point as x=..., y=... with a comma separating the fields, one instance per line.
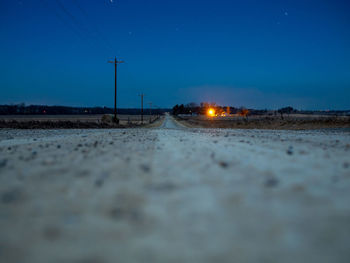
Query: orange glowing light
x=211, y=112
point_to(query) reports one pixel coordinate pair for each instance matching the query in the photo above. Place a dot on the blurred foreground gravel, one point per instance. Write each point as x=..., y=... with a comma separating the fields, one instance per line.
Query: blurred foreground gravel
x=172, y=194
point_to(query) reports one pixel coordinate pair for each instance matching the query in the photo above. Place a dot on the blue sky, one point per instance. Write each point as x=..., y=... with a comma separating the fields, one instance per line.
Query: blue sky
x=261, y=54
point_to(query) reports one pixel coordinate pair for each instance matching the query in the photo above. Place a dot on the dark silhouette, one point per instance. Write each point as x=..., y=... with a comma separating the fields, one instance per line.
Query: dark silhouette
x=142, y=95
x=21, y=109
x=287, y=110
x=115, y=62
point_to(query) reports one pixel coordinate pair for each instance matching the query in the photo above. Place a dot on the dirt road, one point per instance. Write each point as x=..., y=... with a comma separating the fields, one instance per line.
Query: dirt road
x=173, y=194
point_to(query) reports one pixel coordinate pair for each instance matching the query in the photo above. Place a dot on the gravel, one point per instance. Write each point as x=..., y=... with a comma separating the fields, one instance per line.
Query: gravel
x=174, y=194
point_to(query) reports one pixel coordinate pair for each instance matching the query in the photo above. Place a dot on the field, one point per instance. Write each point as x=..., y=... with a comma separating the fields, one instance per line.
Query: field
x=289, y=122
x=69, y=121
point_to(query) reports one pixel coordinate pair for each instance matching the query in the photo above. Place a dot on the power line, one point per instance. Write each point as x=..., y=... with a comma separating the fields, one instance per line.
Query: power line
x=97, y=31
x=76, y=32
x=69, y=14
x=85, y=30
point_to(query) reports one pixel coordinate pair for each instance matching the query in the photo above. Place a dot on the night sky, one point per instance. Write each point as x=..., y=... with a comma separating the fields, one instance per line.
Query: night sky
x=260, y=54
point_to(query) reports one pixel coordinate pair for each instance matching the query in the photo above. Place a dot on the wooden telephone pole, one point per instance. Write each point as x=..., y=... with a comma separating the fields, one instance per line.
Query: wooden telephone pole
x=150, y=112
x=141, y=95
x=115, y=62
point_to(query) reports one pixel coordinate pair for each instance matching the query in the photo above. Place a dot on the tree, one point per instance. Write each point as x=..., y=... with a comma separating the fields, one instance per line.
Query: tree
x=182, y=109
x=175, y=110
x=286, y=110
x=244, y=112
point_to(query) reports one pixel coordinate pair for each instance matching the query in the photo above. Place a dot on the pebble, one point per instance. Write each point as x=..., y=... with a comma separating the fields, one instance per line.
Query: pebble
x=11, y=196
x=52, y=233
x=99, y=182
x=168, y=186
x=145, y=168
x=126, y=213
x=298, y=188
x=223, y=164
x=3, y=163
x=271, y=182
x=71, y=219
x=335, y=178
x=48, y=161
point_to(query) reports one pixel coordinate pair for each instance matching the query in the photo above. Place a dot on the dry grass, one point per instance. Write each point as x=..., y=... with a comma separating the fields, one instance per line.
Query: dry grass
x=292, y=122
x=70, y=121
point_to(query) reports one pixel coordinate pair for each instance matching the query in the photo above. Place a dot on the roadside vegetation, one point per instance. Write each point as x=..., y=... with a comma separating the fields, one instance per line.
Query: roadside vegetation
x=210, y=115
x=77, y=121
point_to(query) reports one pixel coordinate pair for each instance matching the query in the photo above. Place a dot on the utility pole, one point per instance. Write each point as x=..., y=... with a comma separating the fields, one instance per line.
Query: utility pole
x=150, y=111
x=141, y=95
x=115, y=62
x=156, y=112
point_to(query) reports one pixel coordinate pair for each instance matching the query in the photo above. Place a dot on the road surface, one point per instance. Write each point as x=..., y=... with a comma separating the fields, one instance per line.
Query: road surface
x=173, y=194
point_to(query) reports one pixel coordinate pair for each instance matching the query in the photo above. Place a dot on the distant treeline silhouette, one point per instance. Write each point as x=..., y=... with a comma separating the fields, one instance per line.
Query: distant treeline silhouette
x=21, y=109
x=202, y=108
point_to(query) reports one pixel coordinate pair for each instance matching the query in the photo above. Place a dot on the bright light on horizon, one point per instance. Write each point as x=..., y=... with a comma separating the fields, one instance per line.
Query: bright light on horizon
x=211, y=112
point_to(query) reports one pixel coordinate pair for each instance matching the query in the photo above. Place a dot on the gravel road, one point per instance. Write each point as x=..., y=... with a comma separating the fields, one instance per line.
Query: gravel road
x=174, y=194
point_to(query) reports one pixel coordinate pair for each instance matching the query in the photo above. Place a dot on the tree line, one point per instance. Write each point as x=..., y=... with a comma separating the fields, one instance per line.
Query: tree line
x=202, y=109
x=22, y=109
